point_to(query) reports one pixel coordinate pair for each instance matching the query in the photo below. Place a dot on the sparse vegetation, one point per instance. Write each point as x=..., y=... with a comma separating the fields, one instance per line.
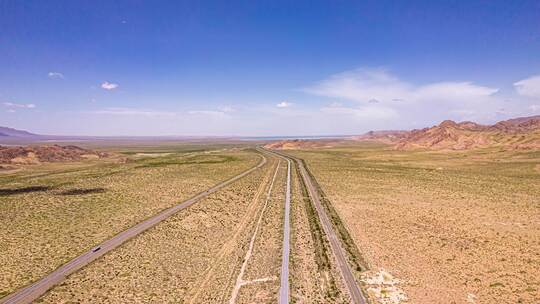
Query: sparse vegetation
x=354, y=256
x=82, y=191
x=438, y=220
x=314, y=278
x=191, y=160
x=263, y=268
x=195, y=255
x=435, y=221
x=51, y=212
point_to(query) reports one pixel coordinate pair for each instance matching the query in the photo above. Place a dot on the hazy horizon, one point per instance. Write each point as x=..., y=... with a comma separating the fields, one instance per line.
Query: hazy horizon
x=264, y=69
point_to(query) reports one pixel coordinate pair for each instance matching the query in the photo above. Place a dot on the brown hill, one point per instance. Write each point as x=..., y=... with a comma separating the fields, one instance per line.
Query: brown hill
x=294, y=144
x=518, y=133
x=387, y=136
x=517, y=125
x=38, y=154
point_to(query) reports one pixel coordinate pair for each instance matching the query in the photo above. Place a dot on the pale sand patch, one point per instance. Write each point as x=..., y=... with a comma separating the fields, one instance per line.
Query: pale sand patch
x=383, y=287
x=152, y=154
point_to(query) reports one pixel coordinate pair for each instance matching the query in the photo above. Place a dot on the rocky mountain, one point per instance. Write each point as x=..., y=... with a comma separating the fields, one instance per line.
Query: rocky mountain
x=520, y=124
x=517, y=133
x=387, y=136
x=293, y=144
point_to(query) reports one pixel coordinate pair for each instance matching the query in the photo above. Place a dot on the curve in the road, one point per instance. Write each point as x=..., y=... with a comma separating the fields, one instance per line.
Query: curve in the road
x=34, y=291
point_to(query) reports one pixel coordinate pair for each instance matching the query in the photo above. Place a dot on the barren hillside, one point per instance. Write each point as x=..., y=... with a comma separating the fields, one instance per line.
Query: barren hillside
x=294, y=144
x=518, y=133
x=37, y=154
x=386, y=136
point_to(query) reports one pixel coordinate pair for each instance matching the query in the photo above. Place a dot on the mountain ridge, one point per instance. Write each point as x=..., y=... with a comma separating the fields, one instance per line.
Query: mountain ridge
x=516, y=133
x=12, y=132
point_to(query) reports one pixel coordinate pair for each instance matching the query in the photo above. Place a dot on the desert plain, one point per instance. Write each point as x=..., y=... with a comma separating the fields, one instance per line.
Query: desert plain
x=443, y=227
x=418, y=225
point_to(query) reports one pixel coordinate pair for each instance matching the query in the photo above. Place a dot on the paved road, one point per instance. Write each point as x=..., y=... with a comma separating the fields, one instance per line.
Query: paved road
x=335, y=242
x=34, y=291
x=284, y=285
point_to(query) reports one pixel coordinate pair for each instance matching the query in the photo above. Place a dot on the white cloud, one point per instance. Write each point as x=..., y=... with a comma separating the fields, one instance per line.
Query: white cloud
x=122, y=111
x=363, y=112
x=534, y=108
x=109, y=86
x=227, y=109
x=370, y=85
x=284, y=104
x=381, y=96
x=19, y=105
x=463, y=112
x=133, y=112
x=361, y=85
x=529, y=86
x=208, y=113
x=55, y=75
x=452, y=92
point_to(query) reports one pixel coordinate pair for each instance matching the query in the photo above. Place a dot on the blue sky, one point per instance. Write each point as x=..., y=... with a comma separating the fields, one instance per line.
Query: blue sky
x=264, y=67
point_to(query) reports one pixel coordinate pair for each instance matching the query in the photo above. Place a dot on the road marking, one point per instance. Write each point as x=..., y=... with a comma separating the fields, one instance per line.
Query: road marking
x=30, y=293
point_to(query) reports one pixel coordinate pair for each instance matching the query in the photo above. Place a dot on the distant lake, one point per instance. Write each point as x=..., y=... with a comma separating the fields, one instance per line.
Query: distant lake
x=295, y=137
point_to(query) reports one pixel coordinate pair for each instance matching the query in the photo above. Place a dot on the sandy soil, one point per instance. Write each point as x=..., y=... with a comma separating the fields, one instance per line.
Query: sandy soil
x=191, y=257
x=264, y=266
x=451, y=228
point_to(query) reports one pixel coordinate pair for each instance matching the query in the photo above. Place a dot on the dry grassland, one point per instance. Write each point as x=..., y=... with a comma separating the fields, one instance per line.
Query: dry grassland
x=262, y=274
x=216, y=283
x=454, y=227
x=192, y=257
x=49, y=214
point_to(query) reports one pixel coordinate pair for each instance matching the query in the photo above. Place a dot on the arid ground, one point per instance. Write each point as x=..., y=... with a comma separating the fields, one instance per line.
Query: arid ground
x=438, y=227
x=50, y=213
x=224, y=249
x=415, y=226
